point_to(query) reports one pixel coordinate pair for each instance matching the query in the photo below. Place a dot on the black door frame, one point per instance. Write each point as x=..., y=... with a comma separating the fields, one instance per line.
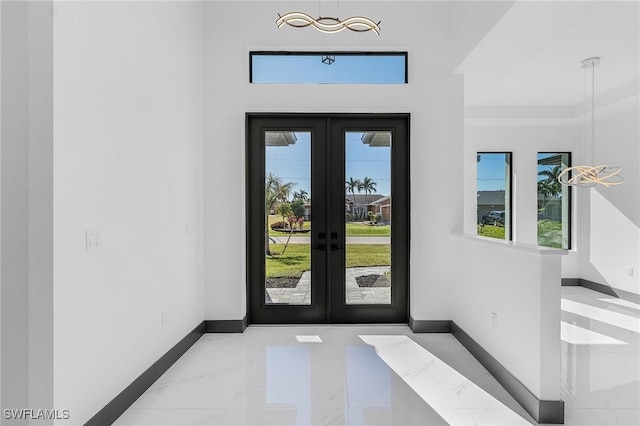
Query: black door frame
x=328, y=306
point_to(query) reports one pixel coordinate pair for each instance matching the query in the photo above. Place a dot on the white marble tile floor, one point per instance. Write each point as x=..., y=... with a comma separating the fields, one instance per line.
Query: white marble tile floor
x=600, y=375
x=386, y=375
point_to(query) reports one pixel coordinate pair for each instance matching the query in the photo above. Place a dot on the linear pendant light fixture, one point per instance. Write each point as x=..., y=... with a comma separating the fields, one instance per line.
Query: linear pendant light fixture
x=587, y=176
x=328, y=24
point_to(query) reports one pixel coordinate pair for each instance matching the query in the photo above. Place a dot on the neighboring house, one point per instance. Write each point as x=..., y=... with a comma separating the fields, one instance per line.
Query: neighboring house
x=383, y=208
x=495, y=200
x=307, y=210
x=360, y=204
x=552, y=208
x=490, y=201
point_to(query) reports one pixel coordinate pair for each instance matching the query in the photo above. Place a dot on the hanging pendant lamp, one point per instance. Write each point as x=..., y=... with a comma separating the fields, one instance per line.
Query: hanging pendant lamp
x=588, y=176
x=328, y=24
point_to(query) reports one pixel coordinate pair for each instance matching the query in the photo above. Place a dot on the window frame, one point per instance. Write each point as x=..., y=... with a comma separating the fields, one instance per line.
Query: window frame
x=508, y=194
x=569, y=199
x=332, y=53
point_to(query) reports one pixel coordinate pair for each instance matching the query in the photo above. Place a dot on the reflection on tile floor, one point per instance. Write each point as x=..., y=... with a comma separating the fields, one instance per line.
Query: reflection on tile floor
x=600, y=378
x=386, y=375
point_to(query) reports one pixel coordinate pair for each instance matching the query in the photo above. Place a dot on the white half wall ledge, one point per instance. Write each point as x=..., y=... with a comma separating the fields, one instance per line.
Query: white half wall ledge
x=508, y=301
x=513, y=245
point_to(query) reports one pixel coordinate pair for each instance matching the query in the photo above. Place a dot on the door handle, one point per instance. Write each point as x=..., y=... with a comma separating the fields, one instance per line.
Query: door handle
x=319, y=247
x=334, y=247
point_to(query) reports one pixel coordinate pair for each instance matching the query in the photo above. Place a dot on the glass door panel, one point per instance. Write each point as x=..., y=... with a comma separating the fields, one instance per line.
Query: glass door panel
x=333, y=262
x=287, y=217
x=367, y=224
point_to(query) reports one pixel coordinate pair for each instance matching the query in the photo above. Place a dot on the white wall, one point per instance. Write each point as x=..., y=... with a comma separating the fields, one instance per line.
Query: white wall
x=524, y=141
x=127, y=162
x=14, y=194
x=605, y=221
x=433, y=96
x=508, y=300
x=27, y=207
x=471, y=21
x=611, y=230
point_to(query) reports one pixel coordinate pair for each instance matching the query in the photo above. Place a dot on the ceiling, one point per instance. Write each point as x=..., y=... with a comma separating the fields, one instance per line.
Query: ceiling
x=532, y=56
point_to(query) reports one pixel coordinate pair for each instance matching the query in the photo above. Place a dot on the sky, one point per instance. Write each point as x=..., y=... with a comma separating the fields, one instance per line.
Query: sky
x=491, y=172
x=293, y=163
x=347, y=69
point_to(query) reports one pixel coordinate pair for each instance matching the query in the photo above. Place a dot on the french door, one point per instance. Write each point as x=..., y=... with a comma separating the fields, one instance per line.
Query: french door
x=327, y=218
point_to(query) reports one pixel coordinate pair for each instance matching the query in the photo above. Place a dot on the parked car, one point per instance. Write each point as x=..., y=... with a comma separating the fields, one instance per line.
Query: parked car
x=495, y=217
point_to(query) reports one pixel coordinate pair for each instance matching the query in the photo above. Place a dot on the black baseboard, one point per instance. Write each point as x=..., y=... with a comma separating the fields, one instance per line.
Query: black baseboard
x=570, y=282
x=225, y=326
x=543, y=411
x=124, y=399
x=601, y=288
x=430, y=326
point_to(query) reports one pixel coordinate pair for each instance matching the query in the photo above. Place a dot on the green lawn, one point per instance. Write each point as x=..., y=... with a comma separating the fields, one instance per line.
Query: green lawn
x=353, y=229
x=550, y=233
x=297, y=258
x=274, y=219
x=491, y=231
x=360, y=229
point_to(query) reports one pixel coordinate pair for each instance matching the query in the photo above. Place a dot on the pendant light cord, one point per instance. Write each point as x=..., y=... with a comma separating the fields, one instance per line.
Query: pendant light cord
x=593, y=114
x=585, y=131
x=337, y=9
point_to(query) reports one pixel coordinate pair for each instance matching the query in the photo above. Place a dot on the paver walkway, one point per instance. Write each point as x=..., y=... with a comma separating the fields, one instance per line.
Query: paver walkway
x=301, y=294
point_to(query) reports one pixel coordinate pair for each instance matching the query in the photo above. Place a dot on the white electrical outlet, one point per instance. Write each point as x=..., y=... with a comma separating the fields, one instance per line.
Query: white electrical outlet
x=494, y=319
x=189, y=228
x=630, y=272
x=163, y=318
x=93, y=240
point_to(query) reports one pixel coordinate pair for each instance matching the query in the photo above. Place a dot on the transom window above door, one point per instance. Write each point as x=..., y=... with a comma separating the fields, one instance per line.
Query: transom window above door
x=328, y=67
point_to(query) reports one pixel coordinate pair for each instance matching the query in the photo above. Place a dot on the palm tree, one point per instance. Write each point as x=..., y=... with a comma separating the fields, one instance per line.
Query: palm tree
x=549, y=187
x=545, y=190
x=352, y=186
x=301, y=195
x=276, y=191
x=284, y=210
x=369, y=187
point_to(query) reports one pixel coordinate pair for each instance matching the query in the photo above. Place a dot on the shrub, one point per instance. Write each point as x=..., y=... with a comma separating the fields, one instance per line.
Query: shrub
x=297, y=208
x=279, y=225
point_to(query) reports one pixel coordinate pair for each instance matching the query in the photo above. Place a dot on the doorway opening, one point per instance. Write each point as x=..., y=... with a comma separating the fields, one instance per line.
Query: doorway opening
x=327, y=218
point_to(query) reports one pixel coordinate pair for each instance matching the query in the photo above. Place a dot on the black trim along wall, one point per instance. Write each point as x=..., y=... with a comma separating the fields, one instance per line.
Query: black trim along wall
x=225, y=326
x=543, y=411
x=124, y=399
x=118, y=405
x=601, y=288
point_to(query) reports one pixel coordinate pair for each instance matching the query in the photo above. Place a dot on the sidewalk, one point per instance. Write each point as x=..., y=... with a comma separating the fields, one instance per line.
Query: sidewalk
x=301, y=294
